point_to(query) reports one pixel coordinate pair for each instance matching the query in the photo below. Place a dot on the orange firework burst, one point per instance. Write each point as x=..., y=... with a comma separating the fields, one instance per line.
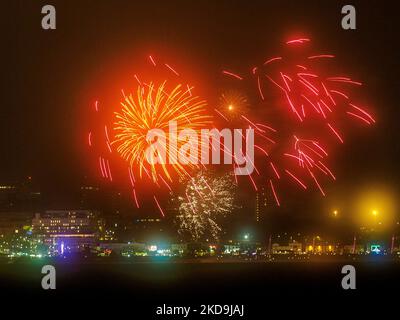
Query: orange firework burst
x=232, y=104
x=154, y=107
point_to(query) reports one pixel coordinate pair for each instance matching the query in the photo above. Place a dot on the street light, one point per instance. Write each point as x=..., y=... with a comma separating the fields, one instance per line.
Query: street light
x=376, y=208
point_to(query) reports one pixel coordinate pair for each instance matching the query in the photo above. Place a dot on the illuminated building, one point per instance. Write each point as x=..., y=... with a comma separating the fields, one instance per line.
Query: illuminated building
x=292, y=247
x=355, y=249
x=67, y=230
x=231, y=249
x=321, y=248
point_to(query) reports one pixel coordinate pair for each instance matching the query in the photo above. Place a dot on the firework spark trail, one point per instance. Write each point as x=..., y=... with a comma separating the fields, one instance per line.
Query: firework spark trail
x=189, y=89
x=275, y=171
x=272, y=60
x=365, y=113
x=106, y=133
x=321, y=56
x=137, y=79
x=109, y=146
x=219, y=113
x=335, y=132
x=131, y=177
x=158, y=206
x=172, y=69
x=165, y=182
x=300, y=41
x=358, y=117
x=101, y=167
x=135, y=198
x=105, y=168
x=274, y=193
x=296, y=179
x=231, y=74
x=253, y=182
x=109, y=171
x=152, y=60
x=259, y=88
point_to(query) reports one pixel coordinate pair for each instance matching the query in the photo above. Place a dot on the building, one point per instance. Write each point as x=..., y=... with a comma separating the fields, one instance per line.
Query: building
x=321, y=248
x=354, y=249
x=67, y=230
x=292, y=247
x=233, y=249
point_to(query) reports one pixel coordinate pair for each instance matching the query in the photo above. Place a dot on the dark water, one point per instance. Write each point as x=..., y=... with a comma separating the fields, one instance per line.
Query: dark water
x=116, y=287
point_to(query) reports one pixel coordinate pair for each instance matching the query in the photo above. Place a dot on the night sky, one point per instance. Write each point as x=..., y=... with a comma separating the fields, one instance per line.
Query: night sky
x=49, y=77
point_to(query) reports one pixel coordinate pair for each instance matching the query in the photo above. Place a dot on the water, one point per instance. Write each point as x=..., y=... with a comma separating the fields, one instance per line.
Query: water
x=144, y=286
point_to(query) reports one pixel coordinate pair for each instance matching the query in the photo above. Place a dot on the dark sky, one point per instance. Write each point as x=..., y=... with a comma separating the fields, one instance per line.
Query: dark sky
x=47, y=76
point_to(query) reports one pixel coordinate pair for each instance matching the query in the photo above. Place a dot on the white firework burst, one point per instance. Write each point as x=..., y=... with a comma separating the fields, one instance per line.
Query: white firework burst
x=205, y=201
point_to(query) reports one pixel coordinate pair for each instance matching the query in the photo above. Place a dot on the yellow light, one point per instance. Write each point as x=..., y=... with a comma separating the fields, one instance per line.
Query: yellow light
x=230, y=107
x=375, y=202
x=335, y=213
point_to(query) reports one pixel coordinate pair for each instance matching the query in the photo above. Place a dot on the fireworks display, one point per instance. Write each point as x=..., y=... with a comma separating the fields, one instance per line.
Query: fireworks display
x=296, y=90
x=153, y=108
x=150, y=106
x=318, y=104
x=232, y=104
x=308, y=93
x=205, y=201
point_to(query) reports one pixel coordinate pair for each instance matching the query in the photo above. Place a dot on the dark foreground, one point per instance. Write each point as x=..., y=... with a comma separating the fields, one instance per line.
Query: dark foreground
x=116, y=287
